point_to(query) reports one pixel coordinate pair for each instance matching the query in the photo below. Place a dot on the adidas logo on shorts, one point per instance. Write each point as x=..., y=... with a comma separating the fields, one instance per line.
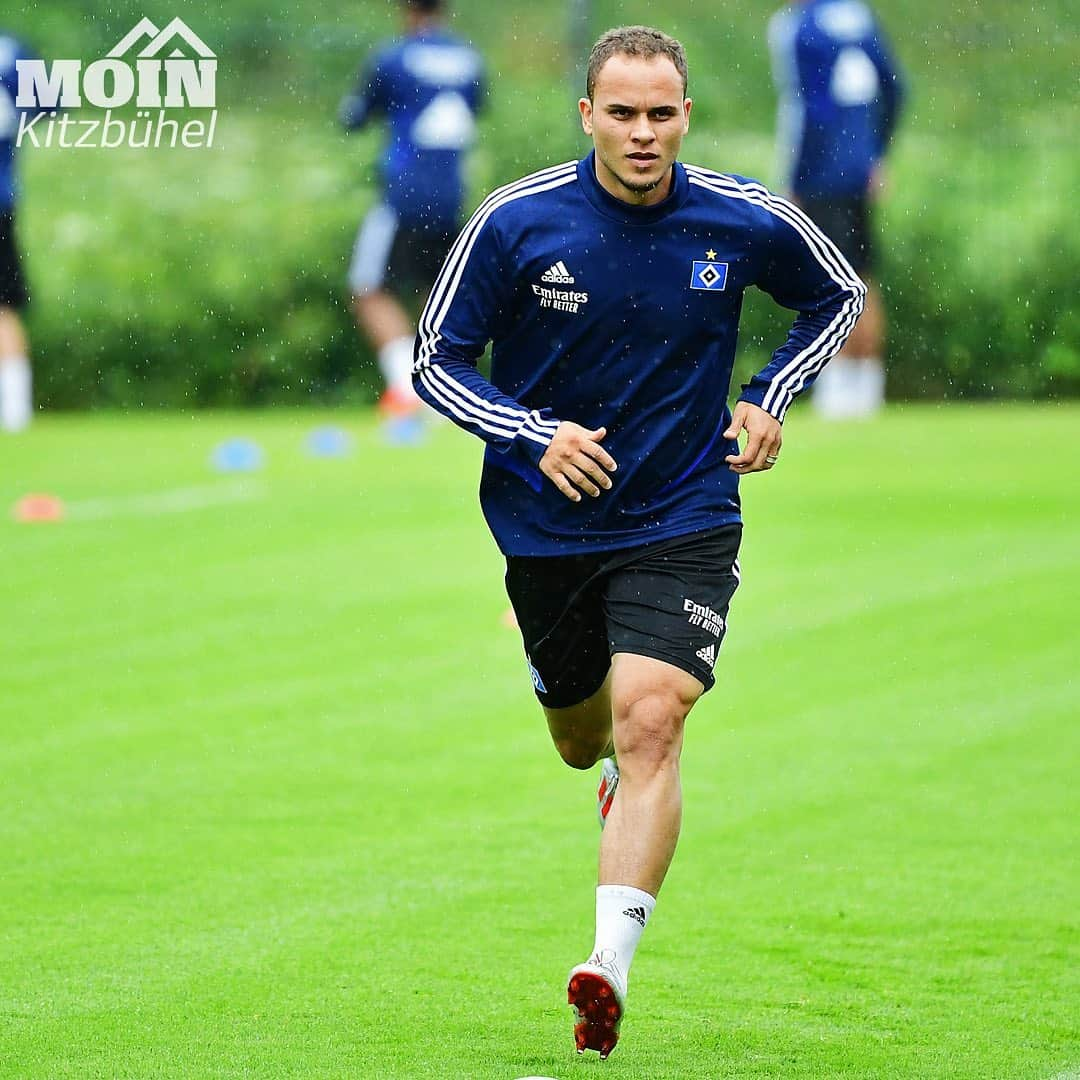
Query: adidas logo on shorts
x=636, y=913
x=558, y=274
x=708, y=654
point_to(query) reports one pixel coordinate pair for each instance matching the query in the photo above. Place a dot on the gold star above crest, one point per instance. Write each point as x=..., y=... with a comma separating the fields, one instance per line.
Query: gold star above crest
x=710, y=254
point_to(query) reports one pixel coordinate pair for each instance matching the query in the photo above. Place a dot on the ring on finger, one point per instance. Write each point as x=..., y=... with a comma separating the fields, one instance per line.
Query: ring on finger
x=770, y=460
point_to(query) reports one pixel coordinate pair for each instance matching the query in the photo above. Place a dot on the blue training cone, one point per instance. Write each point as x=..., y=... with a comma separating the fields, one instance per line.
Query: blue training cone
x=330, y=442
x=405, y=430
x=237, y=455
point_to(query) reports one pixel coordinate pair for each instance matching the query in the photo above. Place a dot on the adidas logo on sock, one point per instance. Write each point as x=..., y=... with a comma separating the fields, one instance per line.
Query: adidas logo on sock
x=637, y=913
x=708, y=654
x=558, y=274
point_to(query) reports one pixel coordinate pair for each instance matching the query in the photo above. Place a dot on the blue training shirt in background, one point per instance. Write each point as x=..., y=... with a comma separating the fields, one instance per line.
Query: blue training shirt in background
x=11, y=50
x=429, y=87
x=625, y=317
x=840, y=95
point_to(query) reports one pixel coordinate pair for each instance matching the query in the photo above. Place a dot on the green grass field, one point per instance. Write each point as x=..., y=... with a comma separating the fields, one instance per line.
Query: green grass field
x=278, y=802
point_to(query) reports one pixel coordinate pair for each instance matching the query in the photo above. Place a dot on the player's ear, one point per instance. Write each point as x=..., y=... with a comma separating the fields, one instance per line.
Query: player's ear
x=687, y=106
x=585, y=108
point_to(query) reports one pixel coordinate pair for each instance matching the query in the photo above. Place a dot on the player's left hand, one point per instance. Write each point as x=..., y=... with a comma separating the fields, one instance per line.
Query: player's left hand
x=763, y=439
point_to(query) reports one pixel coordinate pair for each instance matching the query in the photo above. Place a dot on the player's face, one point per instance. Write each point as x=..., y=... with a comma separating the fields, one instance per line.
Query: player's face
x=637, y=120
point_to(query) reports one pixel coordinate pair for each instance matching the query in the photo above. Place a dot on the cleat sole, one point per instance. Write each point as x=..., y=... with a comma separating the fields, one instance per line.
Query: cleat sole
x=598, y=1013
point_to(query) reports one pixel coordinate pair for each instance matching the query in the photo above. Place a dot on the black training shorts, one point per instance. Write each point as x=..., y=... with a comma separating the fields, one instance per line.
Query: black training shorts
x=13, y=289
x=402, y=257
x=416, y=257
x=845, y=220
x=668, y=600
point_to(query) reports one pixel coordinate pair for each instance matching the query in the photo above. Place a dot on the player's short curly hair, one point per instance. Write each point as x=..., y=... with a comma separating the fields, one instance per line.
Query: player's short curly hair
x=641, y=41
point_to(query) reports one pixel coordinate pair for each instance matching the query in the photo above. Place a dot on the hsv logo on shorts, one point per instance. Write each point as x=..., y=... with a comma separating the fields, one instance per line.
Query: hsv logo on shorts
x=537, y=682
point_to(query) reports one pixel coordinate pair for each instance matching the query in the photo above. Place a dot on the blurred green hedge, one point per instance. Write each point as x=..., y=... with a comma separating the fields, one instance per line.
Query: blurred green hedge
x=188, y=278
x=219, y=278
x=979, y=266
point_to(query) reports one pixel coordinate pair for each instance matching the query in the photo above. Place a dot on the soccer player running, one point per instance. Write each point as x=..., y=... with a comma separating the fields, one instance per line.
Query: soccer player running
x=611, y=289
x=840, y=97
x=16, y=392
x=428, y=85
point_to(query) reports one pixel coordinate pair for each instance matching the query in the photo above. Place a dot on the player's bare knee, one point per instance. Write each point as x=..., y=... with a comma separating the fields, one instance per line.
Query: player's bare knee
x=648, y=730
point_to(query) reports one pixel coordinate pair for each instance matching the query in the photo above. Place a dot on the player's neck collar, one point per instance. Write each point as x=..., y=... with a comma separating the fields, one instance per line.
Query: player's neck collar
x=626, y=212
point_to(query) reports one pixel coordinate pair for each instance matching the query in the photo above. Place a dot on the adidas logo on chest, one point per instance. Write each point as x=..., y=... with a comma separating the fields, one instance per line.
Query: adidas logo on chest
x=558, y=274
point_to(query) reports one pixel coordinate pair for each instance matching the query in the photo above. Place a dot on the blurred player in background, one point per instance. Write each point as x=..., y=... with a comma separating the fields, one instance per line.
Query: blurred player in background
x=840, y=96
x=428, y=85
x=16, y=394
x=611, y=289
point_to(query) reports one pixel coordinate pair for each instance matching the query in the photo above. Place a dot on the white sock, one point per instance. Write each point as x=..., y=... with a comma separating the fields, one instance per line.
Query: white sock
x=16, y=393
x=870, y=376
x=395, y=363
x=834, y=390
x=622, y=913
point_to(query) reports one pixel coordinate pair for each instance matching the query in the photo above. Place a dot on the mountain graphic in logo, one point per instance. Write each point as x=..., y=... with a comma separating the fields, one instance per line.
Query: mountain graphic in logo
x=158, y=39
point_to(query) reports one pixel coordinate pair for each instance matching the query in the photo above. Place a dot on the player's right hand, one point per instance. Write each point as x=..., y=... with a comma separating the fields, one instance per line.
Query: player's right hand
x=575, y=462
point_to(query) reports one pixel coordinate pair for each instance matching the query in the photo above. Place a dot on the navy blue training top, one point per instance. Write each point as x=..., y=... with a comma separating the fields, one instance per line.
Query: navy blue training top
x=429, y=87
x=11, y=51
x=624, y=317
x=840, y=95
